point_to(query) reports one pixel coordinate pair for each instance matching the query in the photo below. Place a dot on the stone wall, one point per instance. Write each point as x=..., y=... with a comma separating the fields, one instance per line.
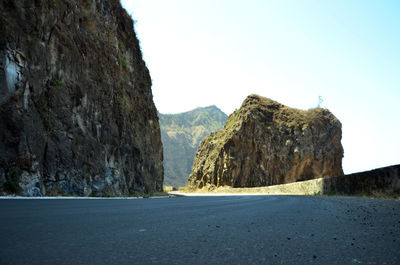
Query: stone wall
x=382, y=181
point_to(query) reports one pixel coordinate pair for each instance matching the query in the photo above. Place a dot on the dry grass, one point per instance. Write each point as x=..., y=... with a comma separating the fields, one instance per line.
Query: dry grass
x=168, y=188
x=160, y=194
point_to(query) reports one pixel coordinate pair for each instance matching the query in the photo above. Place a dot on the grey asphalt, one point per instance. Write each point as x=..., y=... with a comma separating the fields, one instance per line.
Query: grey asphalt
x=201, y=230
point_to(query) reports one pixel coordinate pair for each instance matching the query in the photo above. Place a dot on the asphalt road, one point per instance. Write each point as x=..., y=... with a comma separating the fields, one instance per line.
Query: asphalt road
x=201, y=230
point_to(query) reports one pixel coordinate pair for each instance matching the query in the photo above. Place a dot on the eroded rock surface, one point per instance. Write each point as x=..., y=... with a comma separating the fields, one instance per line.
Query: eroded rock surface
x=76, y=109
x=266, y=143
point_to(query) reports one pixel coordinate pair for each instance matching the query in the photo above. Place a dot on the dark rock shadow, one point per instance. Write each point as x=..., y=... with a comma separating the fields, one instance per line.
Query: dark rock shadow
x=384, y=181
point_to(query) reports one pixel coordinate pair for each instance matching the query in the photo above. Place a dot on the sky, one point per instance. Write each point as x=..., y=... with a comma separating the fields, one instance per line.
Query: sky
x=209, y=52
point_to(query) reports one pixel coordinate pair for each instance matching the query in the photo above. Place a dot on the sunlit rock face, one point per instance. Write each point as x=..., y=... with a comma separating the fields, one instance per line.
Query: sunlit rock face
x=76, y=110
x=266, y=143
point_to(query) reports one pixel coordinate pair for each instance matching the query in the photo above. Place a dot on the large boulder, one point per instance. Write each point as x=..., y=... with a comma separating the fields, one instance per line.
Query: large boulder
x=76, y=110
x=266, y=143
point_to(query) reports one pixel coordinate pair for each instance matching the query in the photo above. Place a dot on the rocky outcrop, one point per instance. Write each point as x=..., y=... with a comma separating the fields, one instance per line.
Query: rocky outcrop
x=181, y=135
x=76, y=110
x=266, y=143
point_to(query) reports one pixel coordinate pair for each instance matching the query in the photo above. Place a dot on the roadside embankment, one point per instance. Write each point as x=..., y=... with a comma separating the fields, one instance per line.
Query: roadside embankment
x=381, y=182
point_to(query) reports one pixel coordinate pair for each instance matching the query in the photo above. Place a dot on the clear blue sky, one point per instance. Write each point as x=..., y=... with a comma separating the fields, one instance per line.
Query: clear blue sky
x=209, y=52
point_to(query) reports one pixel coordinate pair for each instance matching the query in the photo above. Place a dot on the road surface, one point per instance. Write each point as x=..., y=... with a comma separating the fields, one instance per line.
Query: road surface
x=201, y=230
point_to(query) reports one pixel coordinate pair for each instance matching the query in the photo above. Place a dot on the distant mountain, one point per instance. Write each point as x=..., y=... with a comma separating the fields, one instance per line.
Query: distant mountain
x=181, y=134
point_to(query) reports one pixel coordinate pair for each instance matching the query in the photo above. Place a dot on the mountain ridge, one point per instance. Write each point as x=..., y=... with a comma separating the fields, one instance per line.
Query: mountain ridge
x=181, y=134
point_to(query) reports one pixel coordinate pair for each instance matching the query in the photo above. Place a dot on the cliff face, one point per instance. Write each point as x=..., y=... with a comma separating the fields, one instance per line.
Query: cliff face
x=76, y=110
x=266, y=143
x=181, y=135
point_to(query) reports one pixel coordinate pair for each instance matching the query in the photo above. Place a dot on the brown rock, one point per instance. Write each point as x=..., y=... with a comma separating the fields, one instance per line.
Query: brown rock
x=266, y=143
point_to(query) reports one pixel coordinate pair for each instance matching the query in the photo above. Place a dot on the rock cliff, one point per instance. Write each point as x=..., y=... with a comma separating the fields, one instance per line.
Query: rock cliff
x=181, y=135
x=76, y=109
x=266, y=143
